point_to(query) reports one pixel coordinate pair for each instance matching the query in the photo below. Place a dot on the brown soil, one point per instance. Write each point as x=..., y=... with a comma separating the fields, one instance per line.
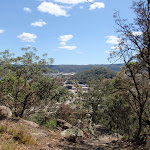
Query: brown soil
x=45, y=139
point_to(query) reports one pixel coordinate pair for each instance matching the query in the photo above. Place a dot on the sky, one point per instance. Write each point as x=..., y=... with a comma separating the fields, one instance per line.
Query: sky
x=70, y=31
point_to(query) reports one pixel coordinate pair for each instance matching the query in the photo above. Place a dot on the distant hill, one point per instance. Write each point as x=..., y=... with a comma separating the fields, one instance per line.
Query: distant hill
x=79, y=68
x=93, y=74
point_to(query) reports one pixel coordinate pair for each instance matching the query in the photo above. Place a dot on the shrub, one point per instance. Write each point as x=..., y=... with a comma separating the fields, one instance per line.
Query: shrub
x=52, y=124
x=66, y=113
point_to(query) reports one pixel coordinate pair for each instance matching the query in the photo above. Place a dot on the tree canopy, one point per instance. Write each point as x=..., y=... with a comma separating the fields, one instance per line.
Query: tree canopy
x=22, y=82
x=134, y=50
x=93, y=74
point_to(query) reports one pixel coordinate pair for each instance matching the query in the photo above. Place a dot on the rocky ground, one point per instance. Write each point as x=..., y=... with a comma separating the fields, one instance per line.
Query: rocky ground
x=16, y=134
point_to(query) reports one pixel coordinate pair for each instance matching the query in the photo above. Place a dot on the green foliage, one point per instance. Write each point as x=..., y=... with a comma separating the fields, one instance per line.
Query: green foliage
x=23, y=84
x=125, y=138
x=93, y=74
x=18, y=75
x=79, y=68
x=94, y=98
x=38, y=117
x=47, y=89
x=52, y=124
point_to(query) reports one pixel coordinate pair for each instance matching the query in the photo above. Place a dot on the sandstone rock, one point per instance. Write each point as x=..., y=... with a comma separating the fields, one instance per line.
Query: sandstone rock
x=63, y=124
x=117, y=136
x=5, y=112
x=30, y=123
x=73, y=132
x=40, y=134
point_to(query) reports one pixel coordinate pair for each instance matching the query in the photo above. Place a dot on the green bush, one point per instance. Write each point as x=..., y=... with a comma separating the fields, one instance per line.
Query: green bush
x=125, y=138
x=52, y=124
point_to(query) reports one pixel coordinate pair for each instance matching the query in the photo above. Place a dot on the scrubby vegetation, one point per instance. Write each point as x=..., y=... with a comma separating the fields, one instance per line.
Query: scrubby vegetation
x=79, y=68
x=119, y=102
x=93, y=74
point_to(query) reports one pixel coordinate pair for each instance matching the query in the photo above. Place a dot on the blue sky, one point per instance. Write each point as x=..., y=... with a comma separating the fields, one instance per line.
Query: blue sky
x=70, y=31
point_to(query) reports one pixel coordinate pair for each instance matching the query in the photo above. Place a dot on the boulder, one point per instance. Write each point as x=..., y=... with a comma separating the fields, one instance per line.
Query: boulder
x=117, y=136
x=63, y=124
x=5, y=112
x=29, y=123
x=72, y=132
x=99, y=130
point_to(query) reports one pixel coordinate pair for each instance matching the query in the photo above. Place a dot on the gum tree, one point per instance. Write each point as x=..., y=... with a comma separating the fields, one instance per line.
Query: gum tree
x=134, y=50
x=18, y=76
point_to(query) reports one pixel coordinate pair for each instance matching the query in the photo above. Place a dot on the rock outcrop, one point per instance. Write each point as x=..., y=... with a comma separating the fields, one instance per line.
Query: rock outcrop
x=29, y=123
x=5, y=112
x=63, y=124
x=72, y=132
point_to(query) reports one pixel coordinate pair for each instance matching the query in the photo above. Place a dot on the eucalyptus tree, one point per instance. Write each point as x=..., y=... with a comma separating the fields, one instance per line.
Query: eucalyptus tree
x=22, y=83
x=134, y=50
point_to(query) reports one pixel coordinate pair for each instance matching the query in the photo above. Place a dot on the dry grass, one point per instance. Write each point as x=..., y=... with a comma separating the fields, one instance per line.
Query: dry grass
x=17, y=134
x=20, y=136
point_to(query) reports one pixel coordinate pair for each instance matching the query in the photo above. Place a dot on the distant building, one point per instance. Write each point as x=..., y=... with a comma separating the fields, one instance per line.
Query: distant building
x=60, y=74
x=73, y=89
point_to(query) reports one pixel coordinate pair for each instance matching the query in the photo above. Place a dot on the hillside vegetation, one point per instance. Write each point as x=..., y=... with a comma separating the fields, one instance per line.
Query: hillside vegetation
x=93, y=74
x=79, y=68
x=112, y=103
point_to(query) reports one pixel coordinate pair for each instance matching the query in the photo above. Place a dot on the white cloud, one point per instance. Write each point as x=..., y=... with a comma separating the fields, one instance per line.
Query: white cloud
x=115, y=48
x=113, y=40
x=62, y=43
x=72, y=1
x=65, y=38
x=53, y=9
x=68, y=47
x=137, y=33
x=66, y=7
x=27, y=37
x=2, y=31
x=27, y=9
x=97, y=5
x=109, y=52
x=39, y=23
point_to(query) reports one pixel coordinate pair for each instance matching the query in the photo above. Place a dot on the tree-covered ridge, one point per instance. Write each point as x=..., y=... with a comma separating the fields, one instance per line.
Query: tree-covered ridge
x=79, y=68
x=93, y=74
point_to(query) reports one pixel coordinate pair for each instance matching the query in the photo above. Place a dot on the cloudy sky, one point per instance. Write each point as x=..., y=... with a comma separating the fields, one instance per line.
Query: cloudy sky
x=70, y=31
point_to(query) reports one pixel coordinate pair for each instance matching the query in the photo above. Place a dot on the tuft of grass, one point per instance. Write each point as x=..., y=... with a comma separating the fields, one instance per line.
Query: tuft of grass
x=3, y=129
x=9, y=145
x=18, y=135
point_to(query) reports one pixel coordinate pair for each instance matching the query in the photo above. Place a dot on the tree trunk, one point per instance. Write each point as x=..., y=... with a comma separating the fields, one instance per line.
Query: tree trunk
x=25, y=104
x=139, y=122
x=140, y=127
